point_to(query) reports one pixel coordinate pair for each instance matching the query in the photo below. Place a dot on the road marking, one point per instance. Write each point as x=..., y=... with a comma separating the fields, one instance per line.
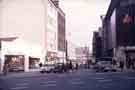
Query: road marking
x=19, y=88
x=22, y=84
x=49, y=82
x=99, y=78
x=129, y=78
x=48, y=85
x=105, y=80
x=77, y=83
x=25, y=80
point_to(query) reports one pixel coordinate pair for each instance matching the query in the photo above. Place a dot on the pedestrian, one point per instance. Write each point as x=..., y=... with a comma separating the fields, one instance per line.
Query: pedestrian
x=76, y=66
x=40, y=64
x=121, y=65
x=71, y=66
x=5, y=69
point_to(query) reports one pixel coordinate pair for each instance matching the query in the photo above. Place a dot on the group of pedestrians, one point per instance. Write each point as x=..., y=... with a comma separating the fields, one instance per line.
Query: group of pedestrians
x=130, y=62
x=69, y=67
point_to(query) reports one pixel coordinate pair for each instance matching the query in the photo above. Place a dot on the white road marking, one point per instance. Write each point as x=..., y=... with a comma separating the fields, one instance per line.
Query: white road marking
x=99, y=78
x=49, y=82
x=76, y=83
x=129, y=78
x=19, y=88
x=105, y=80
x=48, y=85
x=25, y=80
x=22, y=84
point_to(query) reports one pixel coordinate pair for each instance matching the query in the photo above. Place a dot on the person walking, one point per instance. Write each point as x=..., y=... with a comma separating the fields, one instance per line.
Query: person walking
x=71, y=66
x=40, y=65
x=5, y=69
x=121, y=65
x=76, y=66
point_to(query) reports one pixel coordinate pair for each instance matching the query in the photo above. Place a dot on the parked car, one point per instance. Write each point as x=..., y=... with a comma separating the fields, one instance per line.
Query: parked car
x=104, y=66
x=59, y=68
x=47, y=68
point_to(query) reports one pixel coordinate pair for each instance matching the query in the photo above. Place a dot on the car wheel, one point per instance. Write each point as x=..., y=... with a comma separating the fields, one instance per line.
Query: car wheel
x=41, y=71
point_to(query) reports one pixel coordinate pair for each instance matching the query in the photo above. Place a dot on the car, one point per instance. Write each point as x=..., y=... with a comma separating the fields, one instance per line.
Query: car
x=104, y=66
x=47, y=68
x=58, y=68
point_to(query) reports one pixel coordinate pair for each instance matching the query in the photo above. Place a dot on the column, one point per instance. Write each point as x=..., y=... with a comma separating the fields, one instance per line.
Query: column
x=26, y=64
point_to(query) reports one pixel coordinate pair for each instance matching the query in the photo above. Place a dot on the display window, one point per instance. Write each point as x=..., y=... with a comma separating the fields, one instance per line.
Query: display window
x=15, y=62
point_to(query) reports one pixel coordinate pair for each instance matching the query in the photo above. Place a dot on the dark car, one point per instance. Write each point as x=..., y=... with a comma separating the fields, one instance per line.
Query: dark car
x=104, y=66
x=59, y=68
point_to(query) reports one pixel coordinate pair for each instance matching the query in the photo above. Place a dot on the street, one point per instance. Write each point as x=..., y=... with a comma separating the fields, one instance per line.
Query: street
x=72, y=81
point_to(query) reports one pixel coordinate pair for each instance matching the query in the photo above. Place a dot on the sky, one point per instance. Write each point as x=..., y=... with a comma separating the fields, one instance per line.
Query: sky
x=82, y=18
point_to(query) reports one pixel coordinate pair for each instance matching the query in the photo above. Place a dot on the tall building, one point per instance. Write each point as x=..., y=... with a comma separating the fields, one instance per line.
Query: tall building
x=119, y=29
x=97, y=45
x=61, y=36
x=28, y=33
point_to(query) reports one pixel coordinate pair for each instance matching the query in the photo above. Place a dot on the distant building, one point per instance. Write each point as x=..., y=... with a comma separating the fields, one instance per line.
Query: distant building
x=82, y=54
x=71, y=53
x=97, y=45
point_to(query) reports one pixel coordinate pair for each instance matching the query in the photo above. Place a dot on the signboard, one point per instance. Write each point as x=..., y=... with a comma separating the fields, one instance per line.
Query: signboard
x=125, y=25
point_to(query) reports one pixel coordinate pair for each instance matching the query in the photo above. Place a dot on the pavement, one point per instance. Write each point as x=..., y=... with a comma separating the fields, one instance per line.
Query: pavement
x=76, y=80
x=36, y=73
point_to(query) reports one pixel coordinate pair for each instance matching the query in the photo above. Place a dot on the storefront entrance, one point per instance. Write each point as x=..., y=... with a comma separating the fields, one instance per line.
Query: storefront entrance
x=33, y=62
x=130, y=59
x=15, y=62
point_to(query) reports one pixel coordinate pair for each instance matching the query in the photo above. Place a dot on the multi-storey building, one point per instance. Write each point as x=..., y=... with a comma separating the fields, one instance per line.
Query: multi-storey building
x=97, y=45
x=28, y=33
x=61, y=36
x=119, y=30
x=82, y=54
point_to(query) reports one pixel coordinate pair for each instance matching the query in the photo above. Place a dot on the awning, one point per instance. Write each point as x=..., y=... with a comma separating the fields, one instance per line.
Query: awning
x=8, y=38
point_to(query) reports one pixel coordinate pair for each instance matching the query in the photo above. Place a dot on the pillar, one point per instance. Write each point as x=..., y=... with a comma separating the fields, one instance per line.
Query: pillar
x=26, y=64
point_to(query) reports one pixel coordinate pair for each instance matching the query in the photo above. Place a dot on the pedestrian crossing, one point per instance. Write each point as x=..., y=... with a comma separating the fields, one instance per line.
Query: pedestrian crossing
x=103, y=81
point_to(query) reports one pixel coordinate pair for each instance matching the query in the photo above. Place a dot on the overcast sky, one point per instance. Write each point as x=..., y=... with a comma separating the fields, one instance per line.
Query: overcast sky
x=82, y=18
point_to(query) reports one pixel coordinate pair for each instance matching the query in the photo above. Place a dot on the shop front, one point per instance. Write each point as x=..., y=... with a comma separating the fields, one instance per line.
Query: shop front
x=34, y=62
x=51, y=58
x=15, y=62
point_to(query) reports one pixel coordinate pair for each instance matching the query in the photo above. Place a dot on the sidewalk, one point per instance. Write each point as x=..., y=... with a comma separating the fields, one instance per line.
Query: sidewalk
x=22, y=74
x=36, y=73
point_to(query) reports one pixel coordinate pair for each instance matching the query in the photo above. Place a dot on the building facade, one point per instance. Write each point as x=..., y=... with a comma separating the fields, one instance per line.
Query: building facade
x=119, y=29
x=97, y=45
x=82, y=55
x=71, y=53
x=61, y=36
x=33, y=23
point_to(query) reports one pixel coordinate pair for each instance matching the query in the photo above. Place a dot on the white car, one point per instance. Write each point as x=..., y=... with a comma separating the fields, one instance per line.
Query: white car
x=47, y=68
x=104, y=66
